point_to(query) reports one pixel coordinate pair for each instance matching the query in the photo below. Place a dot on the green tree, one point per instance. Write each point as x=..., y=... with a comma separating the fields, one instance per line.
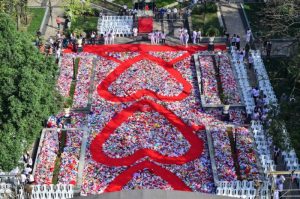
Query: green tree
x=27, y=92
x=75, y=8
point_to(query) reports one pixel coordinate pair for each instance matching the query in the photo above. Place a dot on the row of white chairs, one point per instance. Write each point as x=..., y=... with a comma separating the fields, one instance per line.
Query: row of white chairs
x=263, y=145
x=243, y=82
x=109, y=18
x=118, y=32
x=120, y=25
x=290, y=159
x=263, y=78
x=52, y=191
x=56, y=195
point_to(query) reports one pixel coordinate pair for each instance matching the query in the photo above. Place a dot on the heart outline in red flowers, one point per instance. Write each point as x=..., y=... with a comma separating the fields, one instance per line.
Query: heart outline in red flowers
x=121, y=180
x=194, y=151
x=102, y=88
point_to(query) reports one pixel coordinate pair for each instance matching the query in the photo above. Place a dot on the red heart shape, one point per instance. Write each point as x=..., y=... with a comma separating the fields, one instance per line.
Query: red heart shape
x=168, y=66
x=187, y=131
x=121, y=180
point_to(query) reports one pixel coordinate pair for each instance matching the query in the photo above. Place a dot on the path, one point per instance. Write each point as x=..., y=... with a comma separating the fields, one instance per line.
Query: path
x=234, y=25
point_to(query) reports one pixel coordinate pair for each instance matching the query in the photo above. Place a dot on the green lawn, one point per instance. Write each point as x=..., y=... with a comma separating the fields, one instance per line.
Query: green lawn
x=204, y=19
x=87, y=24
x=36, y=18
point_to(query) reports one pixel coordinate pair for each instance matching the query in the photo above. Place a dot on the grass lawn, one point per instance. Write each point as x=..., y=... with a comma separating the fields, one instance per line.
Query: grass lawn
x=87, y=24
x=204, y=19
x=36, y=18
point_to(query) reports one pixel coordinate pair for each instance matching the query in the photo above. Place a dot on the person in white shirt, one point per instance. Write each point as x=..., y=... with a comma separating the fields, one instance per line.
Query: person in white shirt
x=23, y=178
x=163, y=37
x=194, y=36
x=186, y=39
x=152, y=38
x=175, y=13
x=135, y=32
x=112, y=37
x=105, y=35
x=181, y=33
x=199, y=36
x=156, y=37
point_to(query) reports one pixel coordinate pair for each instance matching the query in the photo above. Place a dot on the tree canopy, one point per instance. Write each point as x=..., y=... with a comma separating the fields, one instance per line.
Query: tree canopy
x=281, y=18
x=27, y=92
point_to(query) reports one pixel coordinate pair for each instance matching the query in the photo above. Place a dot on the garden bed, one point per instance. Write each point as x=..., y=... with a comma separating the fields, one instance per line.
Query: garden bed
x=36, y=18
x=205, y=18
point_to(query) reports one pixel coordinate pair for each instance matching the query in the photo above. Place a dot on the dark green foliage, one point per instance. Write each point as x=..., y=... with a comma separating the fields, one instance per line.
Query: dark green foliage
x=285, y=78
x=27, y=92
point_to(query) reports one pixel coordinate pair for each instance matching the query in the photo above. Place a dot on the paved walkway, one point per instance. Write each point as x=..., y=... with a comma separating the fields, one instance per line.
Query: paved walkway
x=233, y=20
x=57, y=11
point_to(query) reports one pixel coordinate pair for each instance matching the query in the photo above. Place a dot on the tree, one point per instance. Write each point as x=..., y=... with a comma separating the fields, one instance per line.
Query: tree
x=27, y=92
x=281, y=18
x=75, y=8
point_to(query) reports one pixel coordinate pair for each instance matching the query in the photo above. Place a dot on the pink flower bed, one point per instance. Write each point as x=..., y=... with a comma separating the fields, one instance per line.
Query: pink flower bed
x=46, y=158
x=65, y=75
x=70, y=158
x=167, y=55
x=209, y=81
x=145, y=75
x=229, y=84
x=223, y=155
x=83, y=80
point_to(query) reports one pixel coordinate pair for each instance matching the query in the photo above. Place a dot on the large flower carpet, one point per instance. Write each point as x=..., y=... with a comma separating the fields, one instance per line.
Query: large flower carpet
x=147, y=127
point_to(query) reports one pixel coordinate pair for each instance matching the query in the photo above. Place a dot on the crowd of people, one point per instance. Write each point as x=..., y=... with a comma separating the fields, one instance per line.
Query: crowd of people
x=261, y=109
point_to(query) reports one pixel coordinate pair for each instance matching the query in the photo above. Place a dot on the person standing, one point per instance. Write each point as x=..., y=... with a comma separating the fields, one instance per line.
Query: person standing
x=112, y=37
x=248, y=36
x=152, y=38
x=199, y=36
x=163, y=37
x=156, y=37
x=194, y=36
x=269, y=47
x=135, y=32
x=105, y=36
x=175, y=13
x=93, y=36
x=233, y=40
x=58, y=22
x=238, y=42
x=186, y=39
x=250, y=61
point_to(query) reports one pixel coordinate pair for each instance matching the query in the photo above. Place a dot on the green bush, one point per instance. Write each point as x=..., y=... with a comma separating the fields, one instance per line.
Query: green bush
x=212, y=31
